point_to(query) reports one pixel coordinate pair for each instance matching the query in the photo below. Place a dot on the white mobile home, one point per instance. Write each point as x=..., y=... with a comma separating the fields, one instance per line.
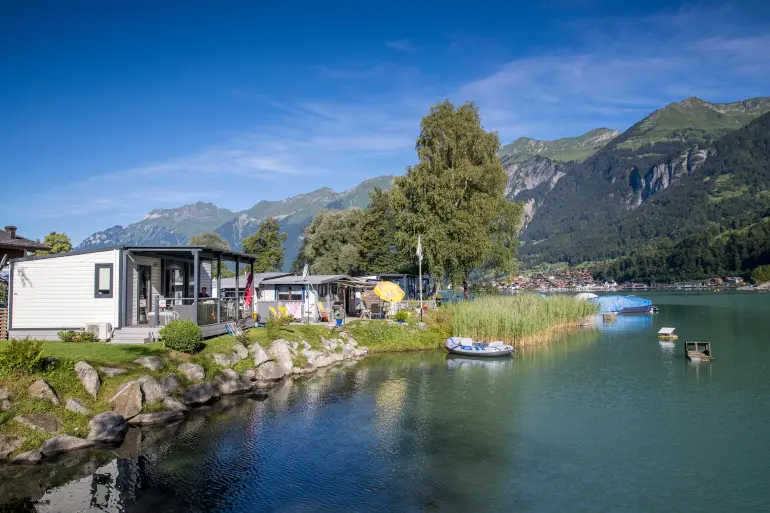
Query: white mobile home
x=124, y=293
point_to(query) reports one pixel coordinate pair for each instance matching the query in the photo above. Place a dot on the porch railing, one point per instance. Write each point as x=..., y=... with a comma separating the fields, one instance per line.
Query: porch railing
x=164, y=310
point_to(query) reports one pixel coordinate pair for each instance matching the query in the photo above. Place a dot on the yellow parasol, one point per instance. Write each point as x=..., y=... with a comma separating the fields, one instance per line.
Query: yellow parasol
x=389, y=291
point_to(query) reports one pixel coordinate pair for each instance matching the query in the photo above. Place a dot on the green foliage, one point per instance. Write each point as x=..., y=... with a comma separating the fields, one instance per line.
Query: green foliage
x=243, y=338
x=182, y=335
x=561, y=150
x=210, y=240
x=455, y=196
x=266, y=246
x=21, y=356
x=58, y=242
x=331, y=243
x=77, y=336
x=761, y=274
x=511, y=318
x=300, y=360
x=274, y=327
x=383, y=336
x=244, y=365
x=401, y=316
x=378, y=247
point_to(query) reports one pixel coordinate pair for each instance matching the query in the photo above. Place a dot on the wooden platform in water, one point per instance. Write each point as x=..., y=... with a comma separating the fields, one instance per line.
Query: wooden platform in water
x=698, y=351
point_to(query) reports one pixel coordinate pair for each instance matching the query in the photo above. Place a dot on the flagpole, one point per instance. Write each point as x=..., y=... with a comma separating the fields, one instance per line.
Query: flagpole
x=419, y=259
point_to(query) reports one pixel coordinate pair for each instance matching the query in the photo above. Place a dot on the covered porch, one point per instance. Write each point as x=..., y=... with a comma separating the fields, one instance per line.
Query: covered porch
x=161, y=284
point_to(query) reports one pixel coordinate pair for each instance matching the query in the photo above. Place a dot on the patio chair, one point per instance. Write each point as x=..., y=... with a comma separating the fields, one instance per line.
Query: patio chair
x=284, y=311
x=376, y=311
x=274, y=312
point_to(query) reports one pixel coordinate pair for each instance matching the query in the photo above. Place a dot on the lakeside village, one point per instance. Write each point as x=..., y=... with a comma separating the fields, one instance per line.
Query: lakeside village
x=581, y=280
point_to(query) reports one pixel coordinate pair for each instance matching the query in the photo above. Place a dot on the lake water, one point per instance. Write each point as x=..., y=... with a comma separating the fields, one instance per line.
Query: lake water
x=603, y=420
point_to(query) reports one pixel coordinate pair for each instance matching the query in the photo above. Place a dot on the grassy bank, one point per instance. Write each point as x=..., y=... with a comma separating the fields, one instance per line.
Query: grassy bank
x=522, y=320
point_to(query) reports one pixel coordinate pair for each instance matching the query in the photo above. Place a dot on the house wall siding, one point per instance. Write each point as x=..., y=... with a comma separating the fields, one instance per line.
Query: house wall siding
x=59, y=292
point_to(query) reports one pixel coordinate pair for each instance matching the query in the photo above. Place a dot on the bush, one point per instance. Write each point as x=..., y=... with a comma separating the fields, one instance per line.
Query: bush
x=21, y=356
x=182, y=335
x=761, y=274
x=274, y=326
x=401, y=316
x=77, y=336
x=243, y=338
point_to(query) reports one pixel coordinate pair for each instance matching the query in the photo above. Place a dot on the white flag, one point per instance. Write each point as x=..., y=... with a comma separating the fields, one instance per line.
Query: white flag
x=419, y=248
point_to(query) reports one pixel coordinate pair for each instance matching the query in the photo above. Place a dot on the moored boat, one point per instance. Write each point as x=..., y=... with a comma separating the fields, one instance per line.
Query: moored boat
x=623, y=304
x=468, y=347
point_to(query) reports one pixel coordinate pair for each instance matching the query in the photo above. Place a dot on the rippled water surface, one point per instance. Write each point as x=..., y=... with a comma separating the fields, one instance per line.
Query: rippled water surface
x=606, y=420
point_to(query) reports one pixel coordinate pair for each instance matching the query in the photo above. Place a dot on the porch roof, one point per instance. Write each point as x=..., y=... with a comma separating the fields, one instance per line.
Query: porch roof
x=317, y=279
x=206, y=252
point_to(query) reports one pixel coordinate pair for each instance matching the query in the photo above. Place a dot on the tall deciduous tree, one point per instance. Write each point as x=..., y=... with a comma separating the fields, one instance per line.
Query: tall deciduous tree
x=266, y=245
x=379, y=249
x=211, y=240
x=58, y=242
x=455, y=196
x=330, y=243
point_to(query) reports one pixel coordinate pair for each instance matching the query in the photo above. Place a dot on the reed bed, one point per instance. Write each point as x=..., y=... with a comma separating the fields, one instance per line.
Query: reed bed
x=519, y=320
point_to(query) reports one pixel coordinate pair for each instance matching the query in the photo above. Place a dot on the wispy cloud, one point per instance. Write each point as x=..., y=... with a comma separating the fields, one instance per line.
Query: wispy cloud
x=403, y=45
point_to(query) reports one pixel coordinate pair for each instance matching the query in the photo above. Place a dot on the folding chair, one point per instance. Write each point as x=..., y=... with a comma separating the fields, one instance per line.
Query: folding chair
x=323, y=315
x=274, y=312
x=284, y=311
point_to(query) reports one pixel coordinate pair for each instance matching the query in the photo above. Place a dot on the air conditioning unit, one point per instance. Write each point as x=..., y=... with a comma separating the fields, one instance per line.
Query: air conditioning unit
x=102, y=330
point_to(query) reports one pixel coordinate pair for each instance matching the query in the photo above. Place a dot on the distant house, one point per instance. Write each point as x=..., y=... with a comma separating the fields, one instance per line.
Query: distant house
x=15, y=246
x=125, y=293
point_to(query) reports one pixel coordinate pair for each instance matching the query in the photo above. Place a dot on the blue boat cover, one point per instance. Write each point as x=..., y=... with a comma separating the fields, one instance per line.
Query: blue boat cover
x=619, y=303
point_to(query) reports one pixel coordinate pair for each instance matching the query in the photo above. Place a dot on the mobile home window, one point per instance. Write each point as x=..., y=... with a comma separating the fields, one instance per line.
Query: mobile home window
x=296, y=293
x=283, y=293
x=103, y=280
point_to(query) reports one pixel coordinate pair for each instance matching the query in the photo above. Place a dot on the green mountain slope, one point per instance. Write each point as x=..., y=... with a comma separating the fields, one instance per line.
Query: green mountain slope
x=693, y=121
x=561, y=150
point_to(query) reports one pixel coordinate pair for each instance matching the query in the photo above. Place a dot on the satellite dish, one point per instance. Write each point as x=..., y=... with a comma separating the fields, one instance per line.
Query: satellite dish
x=304, y=272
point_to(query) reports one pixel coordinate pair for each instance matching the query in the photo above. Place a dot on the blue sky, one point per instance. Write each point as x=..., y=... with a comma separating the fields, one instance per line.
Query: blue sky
x=110, y=109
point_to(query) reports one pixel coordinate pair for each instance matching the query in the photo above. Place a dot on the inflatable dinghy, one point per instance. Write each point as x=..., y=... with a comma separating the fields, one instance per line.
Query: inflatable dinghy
x=467, y=347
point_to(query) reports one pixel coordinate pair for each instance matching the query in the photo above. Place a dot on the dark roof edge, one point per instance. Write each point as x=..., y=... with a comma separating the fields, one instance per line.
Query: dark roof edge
x=245, y=257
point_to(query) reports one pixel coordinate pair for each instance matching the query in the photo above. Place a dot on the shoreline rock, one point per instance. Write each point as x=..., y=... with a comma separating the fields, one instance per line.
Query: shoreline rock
x=8, y=444
x=42, y=390
x=199, y=394
x=152, y=391
x=77, y=406
x=108, y=427
x=192, y=371
x=6, y=400
x=40, y=421
x=89, y=377
x=127, y=401
x=63, y=443
x=156, y=418
x=152, y=363
x=231, y=382
x=28, y=458
x=111, y=372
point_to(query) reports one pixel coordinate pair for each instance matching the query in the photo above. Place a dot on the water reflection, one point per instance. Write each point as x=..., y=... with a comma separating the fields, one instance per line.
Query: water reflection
x=626, y=323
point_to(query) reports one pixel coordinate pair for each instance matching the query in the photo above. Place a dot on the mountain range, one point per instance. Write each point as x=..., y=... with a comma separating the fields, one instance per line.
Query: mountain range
x=590, y=197
x=176, y=225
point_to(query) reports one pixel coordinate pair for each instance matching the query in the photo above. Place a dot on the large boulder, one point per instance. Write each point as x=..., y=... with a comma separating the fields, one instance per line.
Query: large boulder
x=42, y=390
x=173, y=405
x=279, y=350
x=311, y=354
x=63, y=443
x=111, y=372
x=171, y=382
x=5, y=400
x=152, y=391
x=89, y=377
x=324, y=360
x=152, y=363
x=108, y=427
x=8, y=444
x=192, y=371
x=231, y=382
x=260, y=356
x=153, y=419
x=201, y=393
x=360, y=352
x=77, y=406
x=40, y=421
x=127, y=401
x=348, y=351
x=28, y=458
x=269, y=370
x=241, y=351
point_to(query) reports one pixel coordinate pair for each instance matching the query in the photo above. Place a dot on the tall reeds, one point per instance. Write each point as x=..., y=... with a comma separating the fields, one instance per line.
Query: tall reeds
x=516, y=319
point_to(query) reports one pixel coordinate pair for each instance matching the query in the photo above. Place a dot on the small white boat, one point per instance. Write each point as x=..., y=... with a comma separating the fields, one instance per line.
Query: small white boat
x=467, y=347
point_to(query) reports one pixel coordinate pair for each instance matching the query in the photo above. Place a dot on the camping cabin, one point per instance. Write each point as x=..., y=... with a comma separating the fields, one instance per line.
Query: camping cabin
x=311, y=297
x=123, y=293
x=698, y=351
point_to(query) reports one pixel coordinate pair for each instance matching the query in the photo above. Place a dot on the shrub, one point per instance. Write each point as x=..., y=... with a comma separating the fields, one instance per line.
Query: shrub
x=77, y=336
x=21, y=356
x=243, y=338
x=401, y=316
x=182, y=335
x=274, y=326
x=300, y=361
